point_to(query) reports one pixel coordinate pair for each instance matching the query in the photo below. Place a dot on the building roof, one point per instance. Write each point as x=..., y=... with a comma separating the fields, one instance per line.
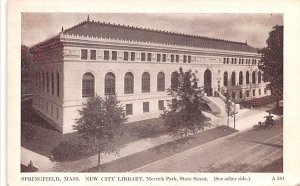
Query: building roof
x=113, y=31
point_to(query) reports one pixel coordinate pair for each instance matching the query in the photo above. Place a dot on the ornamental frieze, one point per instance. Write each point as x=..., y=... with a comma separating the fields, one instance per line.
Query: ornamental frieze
x=71, y=53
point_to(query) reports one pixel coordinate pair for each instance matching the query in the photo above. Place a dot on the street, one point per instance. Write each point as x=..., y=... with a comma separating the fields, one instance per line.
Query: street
x=248, y=151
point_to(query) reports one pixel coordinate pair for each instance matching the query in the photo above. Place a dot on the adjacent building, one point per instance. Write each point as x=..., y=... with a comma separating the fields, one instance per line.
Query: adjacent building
x=136, y=64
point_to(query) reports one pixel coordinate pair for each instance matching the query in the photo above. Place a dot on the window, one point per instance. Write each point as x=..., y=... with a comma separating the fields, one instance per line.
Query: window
x=143, y=56
x=241, y=94
x=232, y=60
x=158, y=57
x=227, y=60
x=161, y=105
x=189, y=59
x=106, y=55
x=259, y=91
x=184, y=58
x=174, y=79
x=88, y=85
x=224, y=60
x=114, y=55
x=177, y=58
x=247, y=77
x=125, y=56
x=253, y=78
x=57, y=113
x=52, y=83
x=128, y=109
x=132, y=56
x=93, y=55
x=233, y=95
x=233, y=78
x=247, y=93
x=84, y=54
x=161, y=82
x=225, y=79
x=259, y=77
x=110, y=85
x=239, y=60
x=145, y=106
x=128, y=83
x=52, y=111
x=149, y=57
x=47, y=76
x=164, y=59
x=241, y=78
x=253, y=92
x=146, y=82
x=43, y=82
x=242, y=61
x=172, y=57
x=57, y=84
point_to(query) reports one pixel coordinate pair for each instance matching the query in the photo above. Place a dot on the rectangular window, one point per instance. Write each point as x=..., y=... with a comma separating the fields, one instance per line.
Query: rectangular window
x=247, y=93
x=232, y=60
x=241, y=94
x=106, y=55
x=114, y=55
x=128, y=109
x=233, y=95
x=172, y=57
x=189, y=59
x=132, y=56
x=227, y=60
x=164, y=59
x=57, y=113
x=52, y=84
x=253, y=92
x=57, y=85
x=158, y=57
x=149, y=57
x=143, y=56
x=184, y=58
x=161, y=105
x=125, y=56
x=93, y=55
x=145, y=106
x=259, y=91
x=84, y=54
x=177, y=58
x=224, y=60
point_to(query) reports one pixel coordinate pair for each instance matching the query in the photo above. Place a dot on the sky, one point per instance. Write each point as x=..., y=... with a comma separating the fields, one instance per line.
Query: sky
x=253, y=28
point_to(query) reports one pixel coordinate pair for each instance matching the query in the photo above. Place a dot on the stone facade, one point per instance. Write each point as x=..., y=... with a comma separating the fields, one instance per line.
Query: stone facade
x=60, y=70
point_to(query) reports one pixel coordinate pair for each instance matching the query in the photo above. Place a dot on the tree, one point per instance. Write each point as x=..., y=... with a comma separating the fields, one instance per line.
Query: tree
x=272, y=62
x=27, y=70
x=101, y=124
x=184, y=114
x=230, y=109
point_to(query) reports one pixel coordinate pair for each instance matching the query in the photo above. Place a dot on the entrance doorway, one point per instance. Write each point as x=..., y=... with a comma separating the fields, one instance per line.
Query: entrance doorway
x=207, y=83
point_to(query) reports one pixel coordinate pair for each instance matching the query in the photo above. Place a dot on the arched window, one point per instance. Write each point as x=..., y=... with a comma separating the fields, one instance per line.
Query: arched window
x=259, y=77
x=225, y=79
x=161, y=82
x=241, y=78
x=247, y=77
x=110, y=85
x=253, y=78
x=233, y=78
x=128, y=83
x=88, y=85
x=146, y=82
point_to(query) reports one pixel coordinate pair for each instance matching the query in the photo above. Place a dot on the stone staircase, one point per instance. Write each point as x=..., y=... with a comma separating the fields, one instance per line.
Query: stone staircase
x=217, y=105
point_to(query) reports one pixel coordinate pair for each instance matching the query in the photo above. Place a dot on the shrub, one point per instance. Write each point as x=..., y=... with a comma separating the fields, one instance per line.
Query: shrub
x=66, y=151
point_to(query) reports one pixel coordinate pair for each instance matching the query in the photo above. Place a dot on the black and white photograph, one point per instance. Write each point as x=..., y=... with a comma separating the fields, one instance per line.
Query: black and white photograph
x=152, y=92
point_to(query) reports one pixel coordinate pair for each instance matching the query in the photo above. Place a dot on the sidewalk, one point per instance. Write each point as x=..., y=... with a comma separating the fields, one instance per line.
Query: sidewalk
x=244, y=120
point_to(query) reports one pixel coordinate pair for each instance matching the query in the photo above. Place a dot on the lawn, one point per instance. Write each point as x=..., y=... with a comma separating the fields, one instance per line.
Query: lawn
x=40, y=137
x=162, y=151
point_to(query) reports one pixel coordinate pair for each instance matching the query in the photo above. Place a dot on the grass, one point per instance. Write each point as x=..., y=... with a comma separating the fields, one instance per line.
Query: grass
x=162, y=151
x=38, y=136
